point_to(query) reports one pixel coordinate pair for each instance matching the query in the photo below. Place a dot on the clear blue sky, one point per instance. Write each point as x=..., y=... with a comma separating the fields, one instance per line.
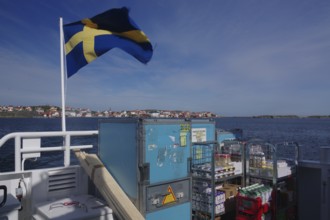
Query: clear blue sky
x=231, y=57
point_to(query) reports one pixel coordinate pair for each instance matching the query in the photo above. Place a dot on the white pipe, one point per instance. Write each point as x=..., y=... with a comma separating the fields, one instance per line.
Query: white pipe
x=60, y=148
x=17, y=153
x=23, y=161
x=7, y=137
x=67, y=150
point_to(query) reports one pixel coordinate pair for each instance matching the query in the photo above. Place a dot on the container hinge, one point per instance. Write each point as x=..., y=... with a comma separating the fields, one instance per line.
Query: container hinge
x=144, y=172
x=189, y=164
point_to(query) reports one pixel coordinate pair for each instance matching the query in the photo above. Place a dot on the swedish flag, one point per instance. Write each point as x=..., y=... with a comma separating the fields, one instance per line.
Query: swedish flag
x=88, y=39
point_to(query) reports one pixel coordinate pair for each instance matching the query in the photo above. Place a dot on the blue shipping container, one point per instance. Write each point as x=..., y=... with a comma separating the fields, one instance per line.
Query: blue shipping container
x=149, y=160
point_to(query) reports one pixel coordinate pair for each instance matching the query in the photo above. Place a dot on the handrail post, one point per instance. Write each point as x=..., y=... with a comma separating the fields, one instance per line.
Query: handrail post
x=67, y=150
x=17, y=153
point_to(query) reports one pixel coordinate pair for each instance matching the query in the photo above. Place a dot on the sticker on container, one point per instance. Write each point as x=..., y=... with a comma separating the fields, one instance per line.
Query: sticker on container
x=183, y=138
x=198, y=135
x=184, y=129
x=170, y=197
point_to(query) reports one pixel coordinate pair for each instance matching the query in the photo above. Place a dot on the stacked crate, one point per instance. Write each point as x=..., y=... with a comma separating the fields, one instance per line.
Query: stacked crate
x=202, y=199
x=253, y=202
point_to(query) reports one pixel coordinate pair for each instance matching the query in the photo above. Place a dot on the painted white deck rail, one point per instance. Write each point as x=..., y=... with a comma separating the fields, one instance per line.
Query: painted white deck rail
x=34, y=147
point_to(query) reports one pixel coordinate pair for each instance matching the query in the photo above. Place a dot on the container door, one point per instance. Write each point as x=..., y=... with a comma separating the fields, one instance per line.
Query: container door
x=325, y=183
x=309, y=200
x=169, y=200
x=325, y=194
x=178, y=212
x=118, y=151
x=167, y=149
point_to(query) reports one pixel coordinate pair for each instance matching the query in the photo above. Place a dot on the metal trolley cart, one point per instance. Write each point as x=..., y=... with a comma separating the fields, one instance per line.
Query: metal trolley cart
x=212, y=174
x=234, y=150
x=273, y=166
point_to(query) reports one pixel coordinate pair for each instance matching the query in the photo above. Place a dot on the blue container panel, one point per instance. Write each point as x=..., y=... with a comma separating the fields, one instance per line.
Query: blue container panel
x=178, y=212
x=118, y=152
x=209, y=127
x=167, y=151
x=228, y=135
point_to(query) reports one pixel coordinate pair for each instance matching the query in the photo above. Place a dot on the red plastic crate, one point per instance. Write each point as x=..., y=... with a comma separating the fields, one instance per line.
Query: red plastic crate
x=249, y=205
x=250, y=208
x=247, y=217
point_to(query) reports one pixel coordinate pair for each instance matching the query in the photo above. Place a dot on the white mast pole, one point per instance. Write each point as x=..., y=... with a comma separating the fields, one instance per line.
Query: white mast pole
x=62, y=75
x=66, y=142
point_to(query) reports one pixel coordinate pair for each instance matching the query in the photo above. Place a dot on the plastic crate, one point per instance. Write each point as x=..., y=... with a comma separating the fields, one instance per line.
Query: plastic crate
x=250, y=208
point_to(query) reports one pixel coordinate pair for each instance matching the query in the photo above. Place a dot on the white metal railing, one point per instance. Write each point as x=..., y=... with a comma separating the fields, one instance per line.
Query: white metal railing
x=19, y=136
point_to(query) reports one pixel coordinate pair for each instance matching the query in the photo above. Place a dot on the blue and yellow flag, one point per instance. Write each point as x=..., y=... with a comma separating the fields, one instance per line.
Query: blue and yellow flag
x=88, y=39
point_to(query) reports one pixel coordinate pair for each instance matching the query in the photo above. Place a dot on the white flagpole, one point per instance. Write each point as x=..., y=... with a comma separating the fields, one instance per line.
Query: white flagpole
x=66, y=141
x=62, y=76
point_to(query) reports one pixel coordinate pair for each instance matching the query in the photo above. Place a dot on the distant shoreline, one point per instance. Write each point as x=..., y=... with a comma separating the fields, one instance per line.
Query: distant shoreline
x=2, y=115
x=291, y=116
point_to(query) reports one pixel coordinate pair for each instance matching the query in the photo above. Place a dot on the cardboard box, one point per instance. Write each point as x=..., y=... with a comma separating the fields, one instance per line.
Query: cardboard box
x=231, y=185
x=230, y=190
